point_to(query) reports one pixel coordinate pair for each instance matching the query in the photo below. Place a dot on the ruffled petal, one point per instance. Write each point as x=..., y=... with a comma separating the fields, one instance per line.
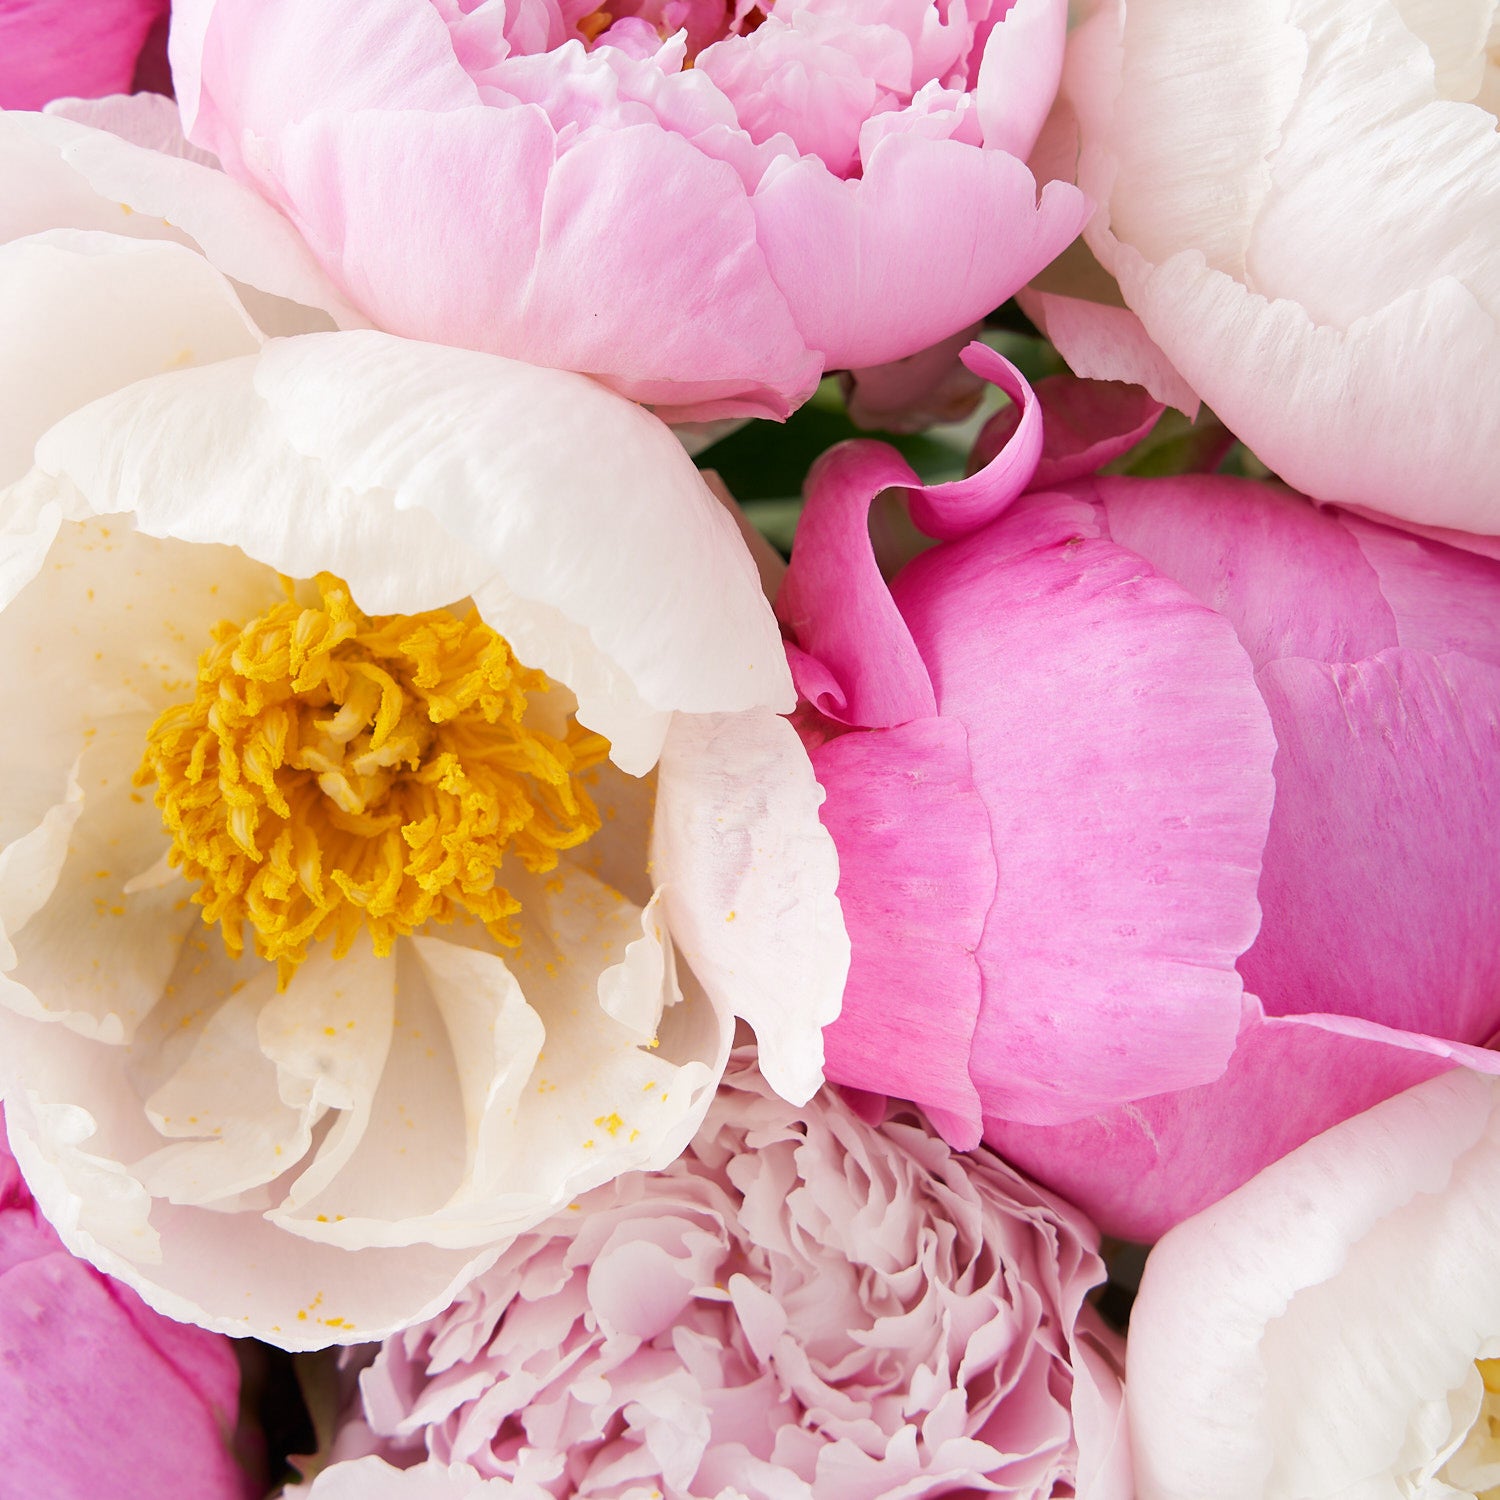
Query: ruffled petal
x=748, y=876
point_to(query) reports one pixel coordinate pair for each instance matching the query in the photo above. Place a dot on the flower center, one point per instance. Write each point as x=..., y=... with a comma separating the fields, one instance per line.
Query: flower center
x=335, y=771
x=1475, y=1468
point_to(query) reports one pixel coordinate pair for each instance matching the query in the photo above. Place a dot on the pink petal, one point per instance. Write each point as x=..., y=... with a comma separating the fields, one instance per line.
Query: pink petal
x=98, y=1394
x=561, y=258
x=1443, y=598
x=1381, y=891
x=916, y=878
x=1019, y=75
x=857, y=663
x=1141, y=1168
x=854, y=259
x=1085, y=424
x=53, y=49
x=1125, y=757
x=1288, y=577
x=252, y=70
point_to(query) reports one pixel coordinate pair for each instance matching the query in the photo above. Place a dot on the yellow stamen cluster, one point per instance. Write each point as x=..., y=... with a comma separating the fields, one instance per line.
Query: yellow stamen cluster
x=335, y=771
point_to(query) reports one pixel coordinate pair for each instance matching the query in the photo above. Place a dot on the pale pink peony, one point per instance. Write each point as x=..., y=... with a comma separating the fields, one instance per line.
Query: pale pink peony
x=702, y=205
x=100, y=1396
x=1297, y=203
x=53, y=49
x=1171, y=835
x=801, y=1305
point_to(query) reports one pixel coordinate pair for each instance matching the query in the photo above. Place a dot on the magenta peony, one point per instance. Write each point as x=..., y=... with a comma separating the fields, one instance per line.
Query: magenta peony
x=801, y=1305
x=1166, y=809
x=100, y=1396
x=702, y=205
x=54, y=49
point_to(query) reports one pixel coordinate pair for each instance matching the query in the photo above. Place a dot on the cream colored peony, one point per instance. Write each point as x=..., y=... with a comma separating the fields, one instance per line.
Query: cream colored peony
x=1331, y=1330
x=1300, y=203
x=396, y=814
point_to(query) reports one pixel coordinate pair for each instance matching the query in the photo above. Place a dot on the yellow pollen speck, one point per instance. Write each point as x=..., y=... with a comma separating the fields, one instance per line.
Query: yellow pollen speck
x=588, y=1145
x=730, y=917
x=336, y=771
x=610, y=1122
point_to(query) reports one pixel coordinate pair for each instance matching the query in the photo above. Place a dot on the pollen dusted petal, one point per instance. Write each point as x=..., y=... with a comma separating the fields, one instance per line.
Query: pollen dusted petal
x=336, y=773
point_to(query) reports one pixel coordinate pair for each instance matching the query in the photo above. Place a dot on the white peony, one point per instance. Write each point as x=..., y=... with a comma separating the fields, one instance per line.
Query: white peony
x=1300, y=203
x=336, y=945
x=1331, y=1330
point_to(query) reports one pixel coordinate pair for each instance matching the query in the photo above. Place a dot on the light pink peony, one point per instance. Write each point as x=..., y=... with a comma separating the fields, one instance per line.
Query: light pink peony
x=1171, y=837
x=703, y=205
x=100, y=1396
x=52, y=49
x=801, y=1305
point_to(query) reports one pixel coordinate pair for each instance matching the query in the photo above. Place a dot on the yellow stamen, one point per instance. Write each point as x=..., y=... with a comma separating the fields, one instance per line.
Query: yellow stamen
x=335, y=772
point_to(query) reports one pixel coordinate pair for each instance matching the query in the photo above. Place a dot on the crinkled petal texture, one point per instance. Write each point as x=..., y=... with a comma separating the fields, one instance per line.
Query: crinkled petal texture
x=802, y=1305
x=51, y=49
x=1299, y=202
x=1269, y=1358
x=702, y=206
x=1377, y=961
x=323, y=1153
x=98, y=1394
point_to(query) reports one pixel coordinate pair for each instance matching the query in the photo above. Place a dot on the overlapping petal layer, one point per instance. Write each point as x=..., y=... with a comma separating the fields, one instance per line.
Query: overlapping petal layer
x=704, y=208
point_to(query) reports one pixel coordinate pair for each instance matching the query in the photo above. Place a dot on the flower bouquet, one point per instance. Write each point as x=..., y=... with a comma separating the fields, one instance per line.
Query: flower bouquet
x=750, y=749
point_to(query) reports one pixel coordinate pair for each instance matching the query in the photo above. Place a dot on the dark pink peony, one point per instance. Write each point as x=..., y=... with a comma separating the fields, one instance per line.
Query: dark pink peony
x=1168, y=811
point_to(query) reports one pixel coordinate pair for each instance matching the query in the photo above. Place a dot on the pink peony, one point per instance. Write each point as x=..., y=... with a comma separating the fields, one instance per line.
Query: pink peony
x=801, y=1305
x=702, y=205
x=1170, y=837
x=100, y=1396
x=52, y=49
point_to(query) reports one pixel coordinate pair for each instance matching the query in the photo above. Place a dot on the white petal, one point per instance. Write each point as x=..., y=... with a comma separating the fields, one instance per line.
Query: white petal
x=62, y=172
x=749, y=877
x=295, y=445
x=84, y=313
x=1270, y=1354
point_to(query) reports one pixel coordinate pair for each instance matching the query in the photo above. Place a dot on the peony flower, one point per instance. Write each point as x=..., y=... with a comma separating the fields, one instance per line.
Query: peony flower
x=394, y=785
x=801, y=1305
x=98, y=1394
x=1332, y=1328
x=55, y=48
x=1298, y=205
x=703, y=206
x=1166, y=809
